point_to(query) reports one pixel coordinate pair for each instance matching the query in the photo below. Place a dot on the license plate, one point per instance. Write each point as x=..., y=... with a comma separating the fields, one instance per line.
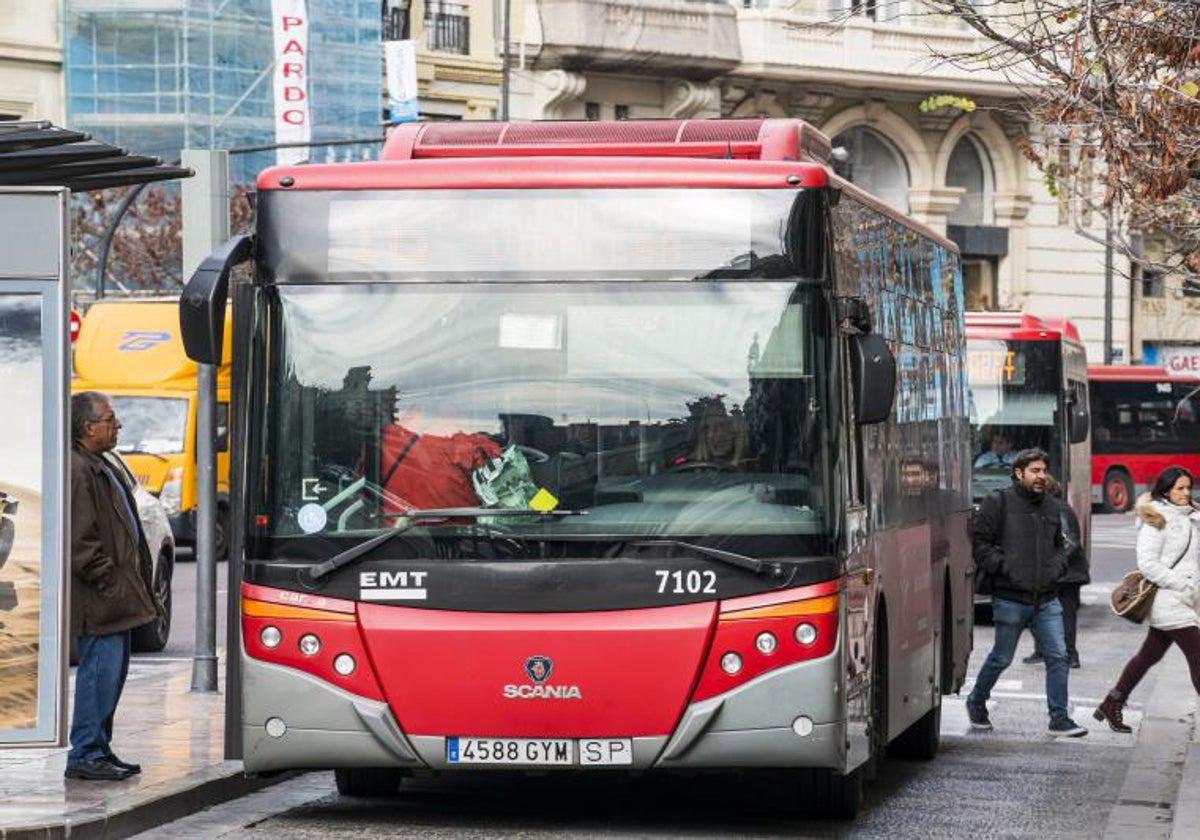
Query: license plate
x=540, y=751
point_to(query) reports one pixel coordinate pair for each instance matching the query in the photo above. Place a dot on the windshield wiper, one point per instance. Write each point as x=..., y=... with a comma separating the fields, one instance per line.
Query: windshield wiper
x=729, y=558
x=414, y=518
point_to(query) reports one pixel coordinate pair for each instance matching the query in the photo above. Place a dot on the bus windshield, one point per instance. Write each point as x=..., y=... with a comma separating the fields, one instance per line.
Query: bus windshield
x=1014, y=405
x=661, y=409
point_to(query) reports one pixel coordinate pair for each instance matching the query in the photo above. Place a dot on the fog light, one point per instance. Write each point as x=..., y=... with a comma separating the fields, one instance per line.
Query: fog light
x=806, y=634
x=270, y=637
x=276, y=727
x=802, y=726
x=731, y=663
x=309, y=644
x=766, y=643
x=343, y=663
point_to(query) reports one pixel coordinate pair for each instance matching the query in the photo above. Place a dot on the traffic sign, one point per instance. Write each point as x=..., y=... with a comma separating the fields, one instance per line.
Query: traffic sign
x=76, y=323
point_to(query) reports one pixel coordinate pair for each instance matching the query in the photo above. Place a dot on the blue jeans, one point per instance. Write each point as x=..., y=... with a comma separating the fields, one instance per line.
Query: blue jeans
x=99, y=679
x=1046, y=622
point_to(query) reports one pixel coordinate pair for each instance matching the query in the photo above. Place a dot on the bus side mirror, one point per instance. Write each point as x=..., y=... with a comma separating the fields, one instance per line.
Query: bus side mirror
x=1080, y=424
x=202, y=304
x=873, y=371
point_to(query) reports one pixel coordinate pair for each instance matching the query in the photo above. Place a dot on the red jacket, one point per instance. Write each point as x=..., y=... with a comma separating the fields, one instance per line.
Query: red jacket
x=433, y=471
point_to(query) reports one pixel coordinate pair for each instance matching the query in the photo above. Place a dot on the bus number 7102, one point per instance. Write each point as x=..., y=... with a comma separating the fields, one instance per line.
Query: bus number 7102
x=691, y=582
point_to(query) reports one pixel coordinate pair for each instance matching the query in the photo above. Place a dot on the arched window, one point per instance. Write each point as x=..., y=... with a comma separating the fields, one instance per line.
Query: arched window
x=876, y=166
x=971, y=169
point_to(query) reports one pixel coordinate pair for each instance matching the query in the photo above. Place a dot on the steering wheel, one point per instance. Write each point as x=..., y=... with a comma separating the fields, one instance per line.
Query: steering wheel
x=532, y=455
x=701, y=466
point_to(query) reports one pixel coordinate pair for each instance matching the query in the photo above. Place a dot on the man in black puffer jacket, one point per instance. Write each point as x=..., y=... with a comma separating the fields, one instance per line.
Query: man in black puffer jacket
x=1019, y=543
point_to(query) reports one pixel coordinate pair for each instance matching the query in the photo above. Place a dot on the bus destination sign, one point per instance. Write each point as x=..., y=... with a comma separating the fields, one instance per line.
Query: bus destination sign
x=999, y=365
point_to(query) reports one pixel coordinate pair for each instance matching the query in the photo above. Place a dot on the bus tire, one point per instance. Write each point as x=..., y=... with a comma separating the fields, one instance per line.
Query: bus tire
x=1118, y=491
x=825, y=794
x=367, y=781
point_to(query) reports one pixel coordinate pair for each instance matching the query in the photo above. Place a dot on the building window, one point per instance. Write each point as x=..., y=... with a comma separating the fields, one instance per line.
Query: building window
x=395, y=20
x=875, y=165
x=620, y=112
x=591, y=110
x=970, y=168
x=447, y=27
x=979, y=285
x=1152, y=283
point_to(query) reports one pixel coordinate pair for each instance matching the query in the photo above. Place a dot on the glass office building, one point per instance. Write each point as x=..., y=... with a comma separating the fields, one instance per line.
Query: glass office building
x=158, y=76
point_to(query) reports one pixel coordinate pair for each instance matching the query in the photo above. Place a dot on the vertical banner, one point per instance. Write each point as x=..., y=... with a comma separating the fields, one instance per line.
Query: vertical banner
x=400, y=59
x=289, y=21
x=33, y=459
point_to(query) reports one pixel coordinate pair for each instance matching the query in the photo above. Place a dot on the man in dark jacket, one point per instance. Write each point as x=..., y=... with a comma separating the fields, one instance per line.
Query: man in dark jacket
x=109, y=595
x=1019, y=543
x=1070, y=584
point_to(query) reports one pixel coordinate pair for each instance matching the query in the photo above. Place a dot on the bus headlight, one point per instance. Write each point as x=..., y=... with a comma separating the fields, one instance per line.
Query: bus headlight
x=344, y=664
x=731, y=663
x=806, y=634
x=270, y=636
x=309, y=644
x=766, y=643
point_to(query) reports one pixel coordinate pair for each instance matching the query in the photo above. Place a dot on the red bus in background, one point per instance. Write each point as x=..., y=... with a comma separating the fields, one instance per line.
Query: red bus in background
x=1144, y=419
x=1029, y=387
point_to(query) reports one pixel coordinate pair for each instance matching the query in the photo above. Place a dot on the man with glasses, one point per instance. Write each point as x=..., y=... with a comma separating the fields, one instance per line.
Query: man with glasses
x=109, y=593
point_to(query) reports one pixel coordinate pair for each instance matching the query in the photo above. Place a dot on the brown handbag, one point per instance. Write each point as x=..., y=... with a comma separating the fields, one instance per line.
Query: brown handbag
x=1133, y=597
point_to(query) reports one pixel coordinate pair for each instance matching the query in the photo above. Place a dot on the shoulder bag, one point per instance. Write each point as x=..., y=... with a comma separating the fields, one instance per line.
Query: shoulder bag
x=1133, y=597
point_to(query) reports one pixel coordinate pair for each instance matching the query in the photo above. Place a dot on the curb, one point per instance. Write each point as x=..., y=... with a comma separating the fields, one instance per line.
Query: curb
x=1155, y=784
x=1186, y=821
x=179, y=799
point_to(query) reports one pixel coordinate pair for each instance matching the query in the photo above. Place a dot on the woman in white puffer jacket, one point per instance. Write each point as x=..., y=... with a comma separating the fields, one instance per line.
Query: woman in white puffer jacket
x=1168, y=554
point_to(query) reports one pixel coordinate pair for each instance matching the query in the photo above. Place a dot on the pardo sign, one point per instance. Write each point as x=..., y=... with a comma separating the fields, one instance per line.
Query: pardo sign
x=289, y=20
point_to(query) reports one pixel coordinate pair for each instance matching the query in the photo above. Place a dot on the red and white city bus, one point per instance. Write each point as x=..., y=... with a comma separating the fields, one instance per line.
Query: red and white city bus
x=1144, y=419
x=1029, y=387
x=634, y=446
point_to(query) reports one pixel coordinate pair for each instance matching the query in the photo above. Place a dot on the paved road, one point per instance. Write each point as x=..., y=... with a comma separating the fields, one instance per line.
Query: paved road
x=1014, y=782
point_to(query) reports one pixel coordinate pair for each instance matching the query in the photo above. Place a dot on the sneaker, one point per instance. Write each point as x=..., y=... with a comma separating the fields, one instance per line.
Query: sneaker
x=979, y=716
x=1034, y=658
x=1067, y=728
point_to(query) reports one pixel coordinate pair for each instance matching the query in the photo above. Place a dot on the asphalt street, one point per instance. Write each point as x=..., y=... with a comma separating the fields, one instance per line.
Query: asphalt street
x=1014, y=782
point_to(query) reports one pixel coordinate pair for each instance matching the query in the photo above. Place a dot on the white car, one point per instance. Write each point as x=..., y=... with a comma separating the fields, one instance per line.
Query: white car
x=152, y=637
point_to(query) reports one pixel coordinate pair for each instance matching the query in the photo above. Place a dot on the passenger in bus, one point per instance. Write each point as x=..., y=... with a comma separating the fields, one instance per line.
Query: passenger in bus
x=720, y=440
x=1019, y=544
x=999, y=453
x=425, y=471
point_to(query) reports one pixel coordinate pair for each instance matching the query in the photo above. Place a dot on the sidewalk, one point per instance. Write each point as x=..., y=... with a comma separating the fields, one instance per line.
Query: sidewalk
x=177, y=737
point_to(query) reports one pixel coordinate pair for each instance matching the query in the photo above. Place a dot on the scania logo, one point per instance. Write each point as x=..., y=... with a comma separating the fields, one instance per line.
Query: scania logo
x=538, y=668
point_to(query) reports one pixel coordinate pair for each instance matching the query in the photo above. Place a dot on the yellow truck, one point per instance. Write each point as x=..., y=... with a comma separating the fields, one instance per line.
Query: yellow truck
x=131, y=350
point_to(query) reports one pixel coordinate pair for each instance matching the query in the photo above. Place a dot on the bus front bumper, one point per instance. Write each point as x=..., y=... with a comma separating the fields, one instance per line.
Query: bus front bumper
x=791, y=717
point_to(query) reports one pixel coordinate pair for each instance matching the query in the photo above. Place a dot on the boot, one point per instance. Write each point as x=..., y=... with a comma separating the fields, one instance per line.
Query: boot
x=1110, y=711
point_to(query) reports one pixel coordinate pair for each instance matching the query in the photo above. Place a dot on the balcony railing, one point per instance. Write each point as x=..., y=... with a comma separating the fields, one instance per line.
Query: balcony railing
x=448, y=28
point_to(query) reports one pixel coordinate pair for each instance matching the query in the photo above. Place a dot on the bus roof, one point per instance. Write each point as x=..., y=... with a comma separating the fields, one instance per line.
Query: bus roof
x=1020, y=326
x=644, y=153
x=745, y=139
x=1134, y=373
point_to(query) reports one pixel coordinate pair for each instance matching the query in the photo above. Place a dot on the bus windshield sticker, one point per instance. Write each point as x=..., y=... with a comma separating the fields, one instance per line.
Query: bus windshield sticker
x=311, y=518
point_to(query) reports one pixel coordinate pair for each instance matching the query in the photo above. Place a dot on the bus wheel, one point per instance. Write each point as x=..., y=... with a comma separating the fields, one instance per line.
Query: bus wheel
x=367, y=781
x=825, y=794
x=1118, y=491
